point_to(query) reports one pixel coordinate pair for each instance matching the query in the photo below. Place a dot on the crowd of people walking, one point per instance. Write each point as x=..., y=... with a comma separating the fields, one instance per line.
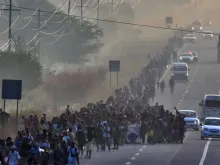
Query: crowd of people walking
x=69, y=137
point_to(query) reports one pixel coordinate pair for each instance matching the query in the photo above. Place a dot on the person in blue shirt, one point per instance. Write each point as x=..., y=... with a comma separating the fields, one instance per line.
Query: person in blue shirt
x=34, y=154
x=73, y=155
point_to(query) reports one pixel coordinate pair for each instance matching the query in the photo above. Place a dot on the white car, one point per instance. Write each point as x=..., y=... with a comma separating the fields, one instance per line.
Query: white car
x=189, y=38
x=191, y=119
x=207, y=34
x=211, y=128
x=180, y=71
x=187, y=57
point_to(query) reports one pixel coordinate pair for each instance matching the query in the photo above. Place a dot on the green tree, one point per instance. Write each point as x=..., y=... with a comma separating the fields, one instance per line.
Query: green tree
x=84, y=39
x=21, y=65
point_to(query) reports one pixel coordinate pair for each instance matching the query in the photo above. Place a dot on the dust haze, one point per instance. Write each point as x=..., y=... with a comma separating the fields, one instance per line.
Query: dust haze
x=129, y=44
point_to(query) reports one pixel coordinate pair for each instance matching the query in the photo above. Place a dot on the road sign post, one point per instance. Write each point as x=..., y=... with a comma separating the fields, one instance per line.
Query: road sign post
x=114, y=66
x=12, y=90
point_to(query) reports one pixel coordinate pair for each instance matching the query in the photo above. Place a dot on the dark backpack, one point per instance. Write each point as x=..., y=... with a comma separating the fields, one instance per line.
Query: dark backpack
x=73, y=155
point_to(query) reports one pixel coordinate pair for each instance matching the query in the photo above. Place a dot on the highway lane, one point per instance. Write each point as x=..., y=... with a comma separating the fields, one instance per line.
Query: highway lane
x=169, y=100
x=114, y=157
x=204, y=78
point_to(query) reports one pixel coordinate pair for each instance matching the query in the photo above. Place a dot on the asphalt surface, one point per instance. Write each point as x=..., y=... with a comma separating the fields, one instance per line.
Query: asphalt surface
x=204, y=78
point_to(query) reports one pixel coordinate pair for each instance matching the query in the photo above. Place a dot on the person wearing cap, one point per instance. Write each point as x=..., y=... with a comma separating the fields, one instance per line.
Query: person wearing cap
x=13, y=156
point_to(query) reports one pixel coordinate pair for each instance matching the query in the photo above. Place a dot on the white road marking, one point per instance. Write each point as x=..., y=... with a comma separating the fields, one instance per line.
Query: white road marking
x=205, y=152
x=140, y=150
x=144, y=146
x=128, y=163
x=187, y=88
x=165, y=73
x=133, y=158
x=137, y=154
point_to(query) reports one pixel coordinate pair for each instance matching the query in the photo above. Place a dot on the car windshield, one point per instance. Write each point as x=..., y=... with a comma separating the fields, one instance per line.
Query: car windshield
x=212, y=103
x=212, y=122
x=179, y=68
x=188, y=113
x=190, y=35
x=197, y=23
x=186, y=55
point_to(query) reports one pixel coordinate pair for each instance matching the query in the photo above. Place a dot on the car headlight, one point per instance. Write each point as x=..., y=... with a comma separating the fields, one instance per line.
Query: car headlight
x=192, y=28
x=195, y=122
x=200, y=28
x=205, y=129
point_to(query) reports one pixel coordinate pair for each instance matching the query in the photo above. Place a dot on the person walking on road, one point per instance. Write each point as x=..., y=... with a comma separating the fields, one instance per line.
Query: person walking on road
x=162, y=86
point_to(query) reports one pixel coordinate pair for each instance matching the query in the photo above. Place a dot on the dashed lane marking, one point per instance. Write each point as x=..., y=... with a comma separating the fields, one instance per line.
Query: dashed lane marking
x=165, y=73
x=133, y=158
x=187, y=88
x=128, y=163
x=137, y=154
x=140, y=150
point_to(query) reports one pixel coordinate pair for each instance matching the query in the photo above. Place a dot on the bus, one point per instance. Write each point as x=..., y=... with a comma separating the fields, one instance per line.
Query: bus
x=210, y=106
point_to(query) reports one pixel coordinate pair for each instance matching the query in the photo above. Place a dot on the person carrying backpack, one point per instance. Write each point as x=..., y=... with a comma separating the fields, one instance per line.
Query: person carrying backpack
x=73, y=155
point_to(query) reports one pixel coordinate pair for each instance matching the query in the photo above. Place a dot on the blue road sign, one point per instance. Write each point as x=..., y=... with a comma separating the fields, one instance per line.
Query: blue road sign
x=11, y=89
x=114, y=66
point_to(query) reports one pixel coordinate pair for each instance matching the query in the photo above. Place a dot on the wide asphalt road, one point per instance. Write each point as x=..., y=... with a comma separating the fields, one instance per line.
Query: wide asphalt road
x=204, y=78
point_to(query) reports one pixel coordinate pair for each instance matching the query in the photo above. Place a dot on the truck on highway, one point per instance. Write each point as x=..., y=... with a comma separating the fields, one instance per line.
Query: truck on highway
x=210, y=106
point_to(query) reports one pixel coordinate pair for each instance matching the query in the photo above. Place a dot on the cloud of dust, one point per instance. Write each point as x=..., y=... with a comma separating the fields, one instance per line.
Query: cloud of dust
x=131, y=44
x=123, y=37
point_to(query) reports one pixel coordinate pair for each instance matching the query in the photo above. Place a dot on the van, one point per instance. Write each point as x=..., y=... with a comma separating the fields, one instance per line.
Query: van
x=210, y=106
x=180, y=71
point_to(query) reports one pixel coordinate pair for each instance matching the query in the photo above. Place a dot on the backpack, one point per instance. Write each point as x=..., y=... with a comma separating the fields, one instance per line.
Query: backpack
x=73, y=155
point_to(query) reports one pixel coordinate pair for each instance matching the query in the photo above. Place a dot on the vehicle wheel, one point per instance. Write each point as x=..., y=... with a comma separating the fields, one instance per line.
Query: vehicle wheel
x=202, y=138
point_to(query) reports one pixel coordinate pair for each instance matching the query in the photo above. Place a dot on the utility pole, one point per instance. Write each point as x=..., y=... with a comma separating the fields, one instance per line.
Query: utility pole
x=69, y=7
x=112, y=5
x=81, y=10
x=38, y=36
x=10, y=20
x=98, y=12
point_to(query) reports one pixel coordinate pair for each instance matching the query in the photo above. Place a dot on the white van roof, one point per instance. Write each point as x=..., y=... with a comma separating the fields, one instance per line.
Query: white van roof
x=212, y=97
x=180, y=64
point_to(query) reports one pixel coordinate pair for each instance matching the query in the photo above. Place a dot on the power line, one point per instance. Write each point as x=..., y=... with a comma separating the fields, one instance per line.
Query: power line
x=117, y=22
x=10, y=21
